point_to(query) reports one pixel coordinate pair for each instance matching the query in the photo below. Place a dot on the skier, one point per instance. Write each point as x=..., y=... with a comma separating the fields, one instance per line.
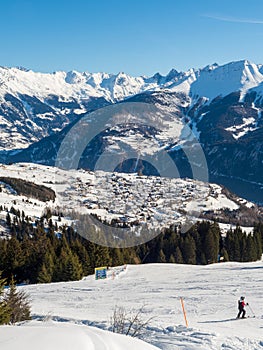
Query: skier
x=241, y=307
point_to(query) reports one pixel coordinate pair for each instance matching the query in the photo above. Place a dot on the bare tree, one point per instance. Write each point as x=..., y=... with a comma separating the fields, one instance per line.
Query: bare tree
x=131, y=323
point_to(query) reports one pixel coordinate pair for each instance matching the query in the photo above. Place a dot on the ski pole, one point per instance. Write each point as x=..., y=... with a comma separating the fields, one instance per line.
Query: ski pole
x=251, y=310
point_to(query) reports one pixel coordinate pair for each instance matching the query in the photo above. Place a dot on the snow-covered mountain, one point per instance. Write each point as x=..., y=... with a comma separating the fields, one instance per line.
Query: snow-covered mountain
x=217, y=107
x=210, y=81
x=34, y=105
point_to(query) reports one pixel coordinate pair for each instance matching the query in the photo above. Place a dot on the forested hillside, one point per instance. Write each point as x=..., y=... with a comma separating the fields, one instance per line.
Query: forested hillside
x=42, y=252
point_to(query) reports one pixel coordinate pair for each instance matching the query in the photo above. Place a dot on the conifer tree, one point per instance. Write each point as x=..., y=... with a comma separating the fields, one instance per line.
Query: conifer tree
x=79, y=249
x=69, y=268
x=116, y=257
x=258, y=244
x=44, y=276
x=3, y=246
x=14, y=257
x=178, y=256
x=189, y=250
x=202, y=259
x=244, y=250
x=17, y=303
x=161, y=257
x=8, y=219
x=172, y=259
x=101, y=256
x=224, y=254
x=233, y=244
x=159, y=249
x=4, y=309
x=251, y=248
x=238, y=244
x=170, y=241
x=211, y=243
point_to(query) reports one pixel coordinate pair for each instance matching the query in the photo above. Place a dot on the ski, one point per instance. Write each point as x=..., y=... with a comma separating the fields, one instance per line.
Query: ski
x=243, y=318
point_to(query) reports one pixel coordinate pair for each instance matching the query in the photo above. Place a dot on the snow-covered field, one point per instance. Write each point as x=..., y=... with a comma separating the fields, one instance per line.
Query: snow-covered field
x=210, y=295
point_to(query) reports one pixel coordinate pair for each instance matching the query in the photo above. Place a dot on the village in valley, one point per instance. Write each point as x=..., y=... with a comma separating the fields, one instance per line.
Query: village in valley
x=122, y=200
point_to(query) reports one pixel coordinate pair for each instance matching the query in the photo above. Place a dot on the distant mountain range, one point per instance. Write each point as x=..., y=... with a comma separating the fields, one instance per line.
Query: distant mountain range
x=222, y=105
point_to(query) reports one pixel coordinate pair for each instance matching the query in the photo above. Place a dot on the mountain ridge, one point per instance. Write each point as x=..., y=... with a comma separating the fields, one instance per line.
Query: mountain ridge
x=107, y=85
x=35, y=105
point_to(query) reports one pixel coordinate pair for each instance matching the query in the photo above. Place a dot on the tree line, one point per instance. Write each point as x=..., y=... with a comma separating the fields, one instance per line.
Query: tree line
x=204, y=243
x=29, y=189
x=42, y=252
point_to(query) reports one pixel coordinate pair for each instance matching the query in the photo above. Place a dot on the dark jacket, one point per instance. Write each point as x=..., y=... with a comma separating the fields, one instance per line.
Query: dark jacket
x=241, y=305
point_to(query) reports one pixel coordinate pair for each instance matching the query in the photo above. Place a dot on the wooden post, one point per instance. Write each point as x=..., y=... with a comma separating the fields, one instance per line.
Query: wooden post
x=182, y=302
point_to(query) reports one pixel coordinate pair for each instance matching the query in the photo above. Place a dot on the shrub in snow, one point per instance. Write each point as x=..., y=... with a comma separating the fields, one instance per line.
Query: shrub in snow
x=130, y=322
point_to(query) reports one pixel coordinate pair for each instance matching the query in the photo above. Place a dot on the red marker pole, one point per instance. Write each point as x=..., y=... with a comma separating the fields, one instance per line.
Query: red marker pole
x=182, y=302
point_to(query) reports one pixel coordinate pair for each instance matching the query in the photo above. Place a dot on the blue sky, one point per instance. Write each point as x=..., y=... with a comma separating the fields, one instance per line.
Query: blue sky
x=139, y=37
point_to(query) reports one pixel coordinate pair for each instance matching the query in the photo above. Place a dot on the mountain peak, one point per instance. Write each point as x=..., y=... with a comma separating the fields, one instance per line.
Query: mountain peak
x=172, y=74
x=74, y=77
x=23, y=69
x=215, y=80
x=241, y=64
x=210, y=67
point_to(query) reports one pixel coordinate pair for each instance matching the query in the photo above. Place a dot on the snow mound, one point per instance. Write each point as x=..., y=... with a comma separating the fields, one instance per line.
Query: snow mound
x=65, y=336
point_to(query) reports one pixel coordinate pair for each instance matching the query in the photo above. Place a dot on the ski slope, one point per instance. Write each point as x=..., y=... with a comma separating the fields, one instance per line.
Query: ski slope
x=210, y=295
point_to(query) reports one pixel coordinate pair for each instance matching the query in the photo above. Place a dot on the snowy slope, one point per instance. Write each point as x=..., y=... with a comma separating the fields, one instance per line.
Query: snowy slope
x=62, y=336
x=214, y=80
x=210, y=295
